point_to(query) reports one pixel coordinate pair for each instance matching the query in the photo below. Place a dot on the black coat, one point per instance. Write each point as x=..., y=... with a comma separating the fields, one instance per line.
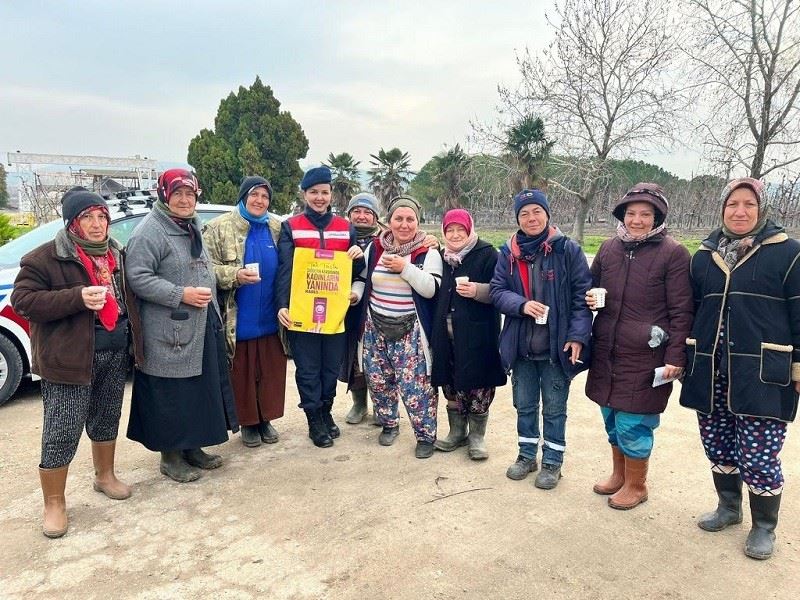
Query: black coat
x=759, y=301
x=472, y=360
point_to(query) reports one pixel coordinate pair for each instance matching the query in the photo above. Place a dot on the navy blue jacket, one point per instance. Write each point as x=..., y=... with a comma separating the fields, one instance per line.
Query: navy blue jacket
x=569, y=320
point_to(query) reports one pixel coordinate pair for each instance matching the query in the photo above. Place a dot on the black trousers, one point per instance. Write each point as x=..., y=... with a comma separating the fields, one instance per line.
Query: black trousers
x=317, y=358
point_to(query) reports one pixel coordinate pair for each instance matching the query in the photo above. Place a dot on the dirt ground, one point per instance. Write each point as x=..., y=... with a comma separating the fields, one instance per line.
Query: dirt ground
x=362, y=521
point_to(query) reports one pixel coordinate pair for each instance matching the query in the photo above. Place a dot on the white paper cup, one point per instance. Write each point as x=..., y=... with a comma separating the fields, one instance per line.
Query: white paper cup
x=599, y=297
x=462, y=280
x=96, y=290
x=253, y=267
x=543, y=319
x=204, y=289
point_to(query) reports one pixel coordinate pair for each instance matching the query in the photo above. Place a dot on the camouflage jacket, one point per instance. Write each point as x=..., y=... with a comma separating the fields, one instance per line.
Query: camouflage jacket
x=224, y=238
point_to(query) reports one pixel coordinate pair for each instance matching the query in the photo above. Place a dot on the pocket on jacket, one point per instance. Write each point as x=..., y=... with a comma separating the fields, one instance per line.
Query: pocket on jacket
x=178, y=333
x=776, y=363
x=691, y=353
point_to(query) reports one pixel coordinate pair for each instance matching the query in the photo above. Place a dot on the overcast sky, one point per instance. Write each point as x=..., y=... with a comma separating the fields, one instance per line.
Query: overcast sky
x=125, y=78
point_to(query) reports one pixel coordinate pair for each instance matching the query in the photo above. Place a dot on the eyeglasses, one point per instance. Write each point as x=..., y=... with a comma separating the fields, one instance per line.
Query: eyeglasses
x=649, y=192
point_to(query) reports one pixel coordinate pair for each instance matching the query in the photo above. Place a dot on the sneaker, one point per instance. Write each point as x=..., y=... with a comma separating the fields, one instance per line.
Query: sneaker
x=388, y=435
x=521, y=468
x=423, y=450
x=548, y=477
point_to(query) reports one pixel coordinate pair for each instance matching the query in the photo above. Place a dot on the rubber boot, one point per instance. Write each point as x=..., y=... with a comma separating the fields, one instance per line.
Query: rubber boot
x=176, y=468
x=761, y=539
x=327, y=418
x=477, y=436
x=197, y=457
x=269, y=435
x=634, y=491
x=359, y=408
x=54, y=482
x=729, y=506
x=105, y=480
x=612, y=484
x=317, y=430
x=458, y=432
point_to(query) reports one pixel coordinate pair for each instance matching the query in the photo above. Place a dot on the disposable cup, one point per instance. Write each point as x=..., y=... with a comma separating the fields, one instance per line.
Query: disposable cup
x=253, y=267
x=96, y=290
x=462, y=280
x=543, y=319
x=207, y=290
x=599, y=297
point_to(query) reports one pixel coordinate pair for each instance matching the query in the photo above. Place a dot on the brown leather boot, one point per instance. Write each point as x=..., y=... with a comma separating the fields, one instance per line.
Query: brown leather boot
x=612, y=484
x=105, y=480
x=634, y=491
x=54, y=481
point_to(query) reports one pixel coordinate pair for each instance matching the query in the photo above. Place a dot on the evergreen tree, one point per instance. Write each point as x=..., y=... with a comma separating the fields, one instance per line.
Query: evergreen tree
x=251, y=136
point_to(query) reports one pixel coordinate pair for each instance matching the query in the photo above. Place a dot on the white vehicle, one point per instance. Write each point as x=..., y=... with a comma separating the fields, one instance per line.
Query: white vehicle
x=15, y=343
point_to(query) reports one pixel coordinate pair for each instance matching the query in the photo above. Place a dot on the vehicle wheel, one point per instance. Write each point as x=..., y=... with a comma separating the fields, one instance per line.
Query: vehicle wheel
x=10, y=369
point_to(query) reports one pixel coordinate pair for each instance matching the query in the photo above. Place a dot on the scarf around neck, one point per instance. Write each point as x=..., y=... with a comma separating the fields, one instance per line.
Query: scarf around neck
x=188, y=224
x=733, y=246
x=250, y=218
x=626, y=237
x=455, y=256
x=386, y=239
x=367, y=231
x=525, y=247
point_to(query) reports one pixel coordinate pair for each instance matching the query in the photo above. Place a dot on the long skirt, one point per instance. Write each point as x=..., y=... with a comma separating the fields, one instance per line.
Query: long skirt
x=258, y=376
x=190, y=412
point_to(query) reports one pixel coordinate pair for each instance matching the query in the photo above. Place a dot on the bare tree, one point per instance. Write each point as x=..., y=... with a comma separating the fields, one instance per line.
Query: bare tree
x=747, y=55
x=603, y=87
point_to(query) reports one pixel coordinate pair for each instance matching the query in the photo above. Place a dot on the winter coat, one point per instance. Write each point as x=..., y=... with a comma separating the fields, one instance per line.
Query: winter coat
x=471, y=360
x=159, y=265
x=646, y=286
x=565, y=284
x=47, y=292
x=759, y=301
x=224, y=238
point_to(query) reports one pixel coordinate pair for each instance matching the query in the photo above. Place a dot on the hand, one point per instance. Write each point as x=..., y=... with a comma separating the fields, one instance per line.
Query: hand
x=534, y=309
x=283, y=317
x=196, y=296
x=672, y=372
x=353, y=298
x=354, y=253
x=393, y=263
x=574, y=349
x=467, y=290
x=430, y=241
x=94, y=297
x=591, y=301
x=247, y=276
x=797, y=386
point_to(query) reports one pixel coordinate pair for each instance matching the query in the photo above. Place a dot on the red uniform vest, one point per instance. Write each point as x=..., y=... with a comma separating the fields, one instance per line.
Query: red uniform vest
x=336, y=236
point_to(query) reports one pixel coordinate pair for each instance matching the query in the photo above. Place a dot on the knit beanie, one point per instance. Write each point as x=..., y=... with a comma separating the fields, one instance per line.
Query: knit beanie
x=76, y=200
x=363, y=200
x=249, y=184
x=651, y=193
x=459, y=216
x=525, y=197
x=403, y=201
x=314, y=176
x=172, y=179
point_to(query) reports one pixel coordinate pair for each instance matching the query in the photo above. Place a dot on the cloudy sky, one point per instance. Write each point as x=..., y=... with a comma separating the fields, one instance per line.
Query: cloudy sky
x=125, y=78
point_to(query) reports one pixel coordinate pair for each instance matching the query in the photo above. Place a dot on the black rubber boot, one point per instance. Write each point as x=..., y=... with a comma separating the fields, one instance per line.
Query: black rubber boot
x=268, y=433
x=458, y=432
x=761, y=539
x=317, y=430
x=359, y=408
x=477, y=436
x=173, y=466
x=202, y=460
x=327, y=418
x=250, y=436
x=729, y=507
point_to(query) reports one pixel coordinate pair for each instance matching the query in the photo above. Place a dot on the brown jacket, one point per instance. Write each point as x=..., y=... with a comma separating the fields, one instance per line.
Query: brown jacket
x=47, y=292
x=646, y=286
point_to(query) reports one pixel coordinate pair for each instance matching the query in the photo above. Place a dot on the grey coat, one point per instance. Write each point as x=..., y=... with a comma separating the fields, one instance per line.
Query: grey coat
x=158, y=266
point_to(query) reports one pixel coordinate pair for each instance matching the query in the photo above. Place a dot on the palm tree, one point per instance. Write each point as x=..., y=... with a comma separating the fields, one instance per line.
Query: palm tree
x=345, y=178
x=390, y=174
x=528, y=149
x=449, y=170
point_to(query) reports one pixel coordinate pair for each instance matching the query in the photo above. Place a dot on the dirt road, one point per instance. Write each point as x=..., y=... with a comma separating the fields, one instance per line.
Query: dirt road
x=363, y=521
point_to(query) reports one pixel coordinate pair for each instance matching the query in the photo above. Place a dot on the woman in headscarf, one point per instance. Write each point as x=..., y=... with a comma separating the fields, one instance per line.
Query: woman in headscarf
x=182, y=398
x=245, y=238
x=466, y=358
x=399, y=285
x=642, y=326
x=743, y=359
x=71, y=291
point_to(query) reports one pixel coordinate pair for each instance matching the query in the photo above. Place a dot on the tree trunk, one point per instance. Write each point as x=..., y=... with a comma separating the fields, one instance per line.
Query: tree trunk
x=580, y=219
